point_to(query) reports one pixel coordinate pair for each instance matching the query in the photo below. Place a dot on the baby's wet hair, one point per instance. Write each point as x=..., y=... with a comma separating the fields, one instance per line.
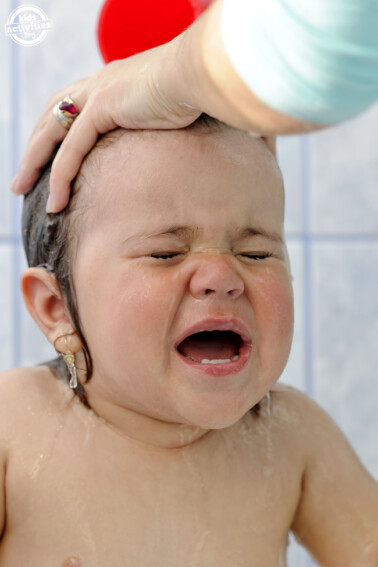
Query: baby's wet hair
x=51, y=240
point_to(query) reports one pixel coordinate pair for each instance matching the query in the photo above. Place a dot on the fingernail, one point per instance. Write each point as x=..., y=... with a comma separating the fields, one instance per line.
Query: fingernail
x=15, y=185
x=50, y=204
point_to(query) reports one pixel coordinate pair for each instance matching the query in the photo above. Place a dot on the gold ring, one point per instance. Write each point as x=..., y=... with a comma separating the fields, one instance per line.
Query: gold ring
x=65, y=112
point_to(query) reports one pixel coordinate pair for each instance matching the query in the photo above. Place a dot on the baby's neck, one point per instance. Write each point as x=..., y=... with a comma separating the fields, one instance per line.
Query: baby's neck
x=145, y=429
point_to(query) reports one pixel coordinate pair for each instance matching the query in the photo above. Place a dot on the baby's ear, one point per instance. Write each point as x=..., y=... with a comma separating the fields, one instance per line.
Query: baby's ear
x=271, y=142
x=44, y=301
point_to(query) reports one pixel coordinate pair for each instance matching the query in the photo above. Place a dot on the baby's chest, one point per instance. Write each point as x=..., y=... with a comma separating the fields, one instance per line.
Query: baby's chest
x=150, y=512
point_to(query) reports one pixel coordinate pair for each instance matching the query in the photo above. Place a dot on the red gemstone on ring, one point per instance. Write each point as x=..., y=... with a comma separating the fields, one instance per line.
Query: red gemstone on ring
x=67, y=107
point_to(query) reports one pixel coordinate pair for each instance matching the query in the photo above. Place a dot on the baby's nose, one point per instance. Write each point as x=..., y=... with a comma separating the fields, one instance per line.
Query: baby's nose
x=215, y=275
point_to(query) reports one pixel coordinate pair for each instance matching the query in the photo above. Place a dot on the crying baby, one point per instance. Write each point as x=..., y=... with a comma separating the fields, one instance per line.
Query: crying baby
x=159, y=437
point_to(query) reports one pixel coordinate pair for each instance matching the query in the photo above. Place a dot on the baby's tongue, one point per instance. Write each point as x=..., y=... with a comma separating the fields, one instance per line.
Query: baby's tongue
x=210, y=345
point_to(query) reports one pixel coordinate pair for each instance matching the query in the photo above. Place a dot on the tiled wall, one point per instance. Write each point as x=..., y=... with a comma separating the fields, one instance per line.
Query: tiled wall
x=332, y=231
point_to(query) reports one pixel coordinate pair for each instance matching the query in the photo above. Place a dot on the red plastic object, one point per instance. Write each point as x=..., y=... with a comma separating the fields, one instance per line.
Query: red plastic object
x=126, y=27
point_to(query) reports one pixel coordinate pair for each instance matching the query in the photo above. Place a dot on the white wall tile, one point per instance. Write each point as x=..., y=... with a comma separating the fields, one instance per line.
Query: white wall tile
x=344, y=172
x=6, y=197
x=5, y=128
x=56, y=63
x=297, y=555
x=346, y=340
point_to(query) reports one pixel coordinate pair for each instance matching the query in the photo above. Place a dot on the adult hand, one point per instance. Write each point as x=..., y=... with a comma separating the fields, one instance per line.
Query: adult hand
x=122, y=94
x=163, y=88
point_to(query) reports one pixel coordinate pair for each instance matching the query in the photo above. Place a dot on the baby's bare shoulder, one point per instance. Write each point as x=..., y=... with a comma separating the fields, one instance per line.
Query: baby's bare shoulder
x=25, y=392
x=302, y=423
x=284, y=395
x=20, y=395
x=18, y=387
x=288, y=417
x=21, y=385
x=292, y=407
x=36, y=380
x=284, y=423
x=337, y=515
x=307, y=422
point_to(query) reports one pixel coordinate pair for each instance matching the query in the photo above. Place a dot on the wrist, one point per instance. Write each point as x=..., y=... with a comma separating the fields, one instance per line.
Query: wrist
x=179, y=76
x=198, y=75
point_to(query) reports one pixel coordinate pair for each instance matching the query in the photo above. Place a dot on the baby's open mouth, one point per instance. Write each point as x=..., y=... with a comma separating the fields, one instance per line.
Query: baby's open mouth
x=214, y=347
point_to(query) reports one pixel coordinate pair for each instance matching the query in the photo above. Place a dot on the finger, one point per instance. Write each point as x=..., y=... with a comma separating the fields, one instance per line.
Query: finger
x=37, y=155
x=79, y=96
x=47, y=133
x=80, y=140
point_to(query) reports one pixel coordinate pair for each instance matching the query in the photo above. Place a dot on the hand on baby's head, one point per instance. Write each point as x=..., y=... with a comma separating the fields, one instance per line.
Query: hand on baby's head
x=166, y=229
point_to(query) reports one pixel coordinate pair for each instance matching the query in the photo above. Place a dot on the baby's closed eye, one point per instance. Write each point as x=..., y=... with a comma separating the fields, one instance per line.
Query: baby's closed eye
x=165, y=256
x=257, y=255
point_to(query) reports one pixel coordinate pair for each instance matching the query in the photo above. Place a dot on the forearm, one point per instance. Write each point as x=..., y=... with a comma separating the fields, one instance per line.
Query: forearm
x=198, y=73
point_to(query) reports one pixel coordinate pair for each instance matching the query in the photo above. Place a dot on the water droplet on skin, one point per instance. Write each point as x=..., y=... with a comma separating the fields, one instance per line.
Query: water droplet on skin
x=268, y=471
x=36, y=467
x=72, y=562
x=43, y=459
x=266, y=405
x=30, y=410
x=200, y=546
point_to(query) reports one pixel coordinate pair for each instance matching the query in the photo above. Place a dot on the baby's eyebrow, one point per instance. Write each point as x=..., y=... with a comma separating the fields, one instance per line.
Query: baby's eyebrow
x=237, y=234
x=183, y=232
x=254, y=231
x=189, y=232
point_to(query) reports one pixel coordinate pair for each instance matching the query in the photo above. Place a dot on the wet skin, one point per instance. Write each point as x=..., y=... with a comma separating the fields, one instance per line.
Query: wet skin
x=216, y=185
x=171, y=467
x=81, y=495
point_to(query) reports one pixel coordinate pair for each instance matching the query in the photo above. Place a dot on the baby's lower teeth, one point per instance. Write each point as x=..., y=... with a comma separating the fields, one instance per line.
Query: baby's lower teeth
x=219, y=360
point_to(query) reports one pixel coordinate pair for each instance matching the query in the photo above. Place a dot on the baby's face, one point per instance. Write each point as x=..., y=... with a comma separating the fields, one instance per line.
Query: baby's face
x=184, y=229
